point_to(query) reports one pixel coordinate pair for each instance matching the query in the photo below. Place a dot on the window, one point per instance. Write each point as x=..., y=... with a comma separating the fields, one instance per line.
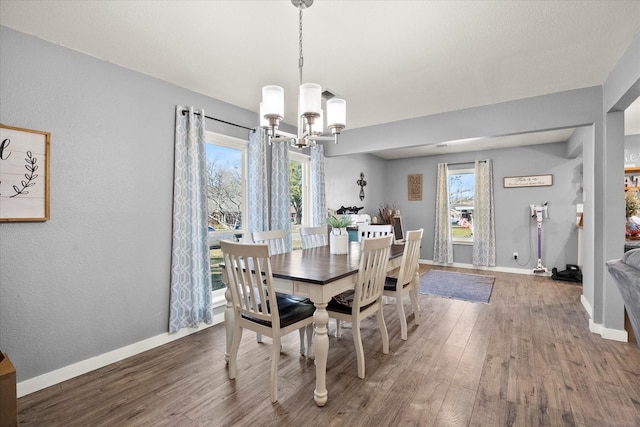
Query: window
x=299, y=181
x=226, y=196
x=461, y=191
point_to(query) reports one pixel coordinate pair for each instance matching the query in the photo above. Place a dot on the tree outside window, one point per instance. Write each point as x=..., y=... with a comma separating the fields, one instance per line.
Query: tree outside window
x=461, y=204
x=226, y=197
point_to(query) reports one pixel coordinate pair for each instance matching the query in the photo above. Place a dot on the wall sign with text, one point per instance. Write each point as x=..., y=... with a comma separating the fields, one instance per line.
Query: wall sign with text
x=631, y=178
x=24, y=174
x=415, y=186
x=528, y=181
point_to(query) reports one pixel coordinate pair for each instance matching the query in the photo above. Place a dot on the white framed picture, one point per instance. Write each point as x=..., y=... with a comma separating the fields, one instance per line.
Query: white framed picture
x=24, y=174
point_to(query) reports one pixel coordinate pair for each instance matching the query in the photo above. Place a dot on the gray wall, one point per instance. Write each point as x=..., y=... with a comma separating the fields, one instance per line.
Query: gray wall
x=631, y=151
x=341, y=189
x=95, y=277
x=515, y=230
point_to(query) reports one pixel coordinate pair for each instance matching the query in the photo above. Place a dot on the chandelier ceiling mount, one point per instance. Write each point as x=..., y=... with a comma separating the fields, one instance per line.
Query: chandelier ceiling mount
x=310, y=112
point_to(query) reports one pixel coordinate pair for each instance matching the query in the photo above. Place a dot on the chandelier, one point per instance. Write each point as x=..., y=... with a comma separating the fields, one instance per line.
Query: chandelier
x=310, y=114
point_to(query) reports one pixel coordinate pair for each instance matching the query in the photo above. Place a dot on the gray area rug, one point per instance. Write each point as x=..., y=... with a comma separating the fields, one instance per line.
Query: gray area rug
x=462, y=286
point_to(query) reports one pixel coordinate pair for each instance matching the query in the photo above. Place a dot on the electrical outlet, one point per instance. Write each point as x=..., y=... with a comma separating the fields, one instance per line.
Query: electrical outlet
x=515, y=255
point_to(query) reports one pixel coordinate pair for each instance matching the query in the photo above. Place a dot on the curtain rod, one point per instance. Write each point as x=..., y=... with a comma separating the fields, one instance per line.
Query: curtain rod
x=184, y=112
x=464, y=163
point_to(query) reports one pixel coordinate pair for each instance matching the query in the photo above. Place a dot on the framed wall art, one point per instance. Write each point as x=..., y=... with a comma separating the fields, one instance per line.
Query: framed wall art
x=24, y=174
x=528, y=181
x=631, y=178
x=415, y=186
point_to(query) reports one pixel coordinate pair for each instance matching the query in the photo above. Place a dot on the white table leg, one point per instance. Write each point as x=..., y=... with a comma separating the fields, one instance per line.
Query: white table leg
x=321, y=347
x=228, y=323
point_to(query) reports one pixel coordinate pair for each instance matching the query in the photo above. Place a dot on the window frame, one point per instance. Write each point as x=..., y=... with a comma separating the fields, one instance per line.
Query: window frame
x=307, y=208
x=460, y=240
x=226, y=141
x=305, y=166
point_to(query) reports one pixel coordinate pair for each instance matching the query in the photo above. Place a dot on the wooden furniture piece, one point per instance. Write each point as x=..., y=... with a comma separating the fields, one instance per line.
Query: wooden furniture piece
x=8, y=397
x=312, y=237
x=276, y=239
x=255, y=307
x=408, y=280
x=316, y=274
x=366, y=298
x=367, y=230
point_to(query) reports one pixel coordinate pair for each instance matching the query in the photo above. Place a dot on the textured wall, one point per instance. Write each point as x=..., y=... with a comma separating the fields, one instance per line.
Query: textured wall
x=95, y=277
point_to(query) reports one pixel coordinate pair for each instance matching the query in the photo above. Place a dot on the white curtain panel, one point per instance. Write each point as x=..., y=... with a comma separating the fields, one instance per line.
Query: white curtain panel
x=442, y=242
x=280, y=192
x=319, y=216
x=484, y=230
x=190, y=264
x=258, y=190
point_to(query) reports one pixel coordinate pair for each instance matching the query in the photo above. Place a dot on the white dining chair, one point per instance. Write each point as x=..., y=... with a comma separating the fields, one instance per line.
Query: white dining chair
x=276, y=239
x=366, y=298
x=313, y=237
x=406, y=282
x=368, y=230
x=248, y=268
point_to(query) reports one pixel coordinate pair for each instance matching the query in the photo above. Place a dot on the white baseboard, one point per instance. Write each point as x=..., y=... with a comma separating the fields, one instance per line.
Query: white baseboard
x=479, y=267
x=63, y=374
x=598, y=328
x=608, y=334
x=615, y=334
x=587, y=306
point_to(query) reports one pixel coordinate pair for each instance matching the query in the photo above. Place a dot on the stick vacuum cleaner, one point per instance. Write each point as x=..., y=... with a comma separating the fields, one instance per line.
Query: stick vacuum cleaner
x=540, y=213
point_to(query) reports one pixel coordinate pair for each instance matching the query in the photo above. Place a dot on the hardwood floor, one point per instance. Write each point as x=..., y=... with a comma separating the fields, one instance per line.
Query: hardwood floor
x=525, y=359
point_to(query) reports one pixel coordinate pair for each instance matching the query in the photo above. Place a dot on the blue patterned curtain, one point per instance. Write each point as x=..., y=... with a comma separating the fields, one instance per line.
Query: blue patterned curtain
x=442, y=242
x=319, y=215
x=190, y=263
x=484, y=231
x=258, y=189
x=280, y=193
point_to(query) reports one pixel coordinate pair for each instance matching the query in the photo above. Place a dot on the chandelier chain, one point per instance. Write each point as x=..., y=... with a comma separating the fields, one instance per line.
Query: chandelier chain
x=301, y=58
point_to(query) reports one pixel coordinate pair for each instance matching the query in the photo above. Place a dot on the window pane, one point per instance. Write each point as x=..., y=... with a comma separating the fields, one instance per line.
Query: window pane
x=224, y=202
x=295, y=183
x=461, y=189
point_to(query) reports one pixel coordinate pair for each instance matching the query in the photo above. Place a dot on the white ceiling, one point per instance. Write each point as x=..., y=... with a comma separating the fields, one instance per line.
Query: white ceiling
x=391, y=60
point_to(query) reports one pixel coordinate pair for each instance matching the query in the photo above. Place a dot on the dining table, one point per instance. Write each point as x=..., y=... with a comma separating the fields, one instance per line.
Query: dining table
x=316, y=274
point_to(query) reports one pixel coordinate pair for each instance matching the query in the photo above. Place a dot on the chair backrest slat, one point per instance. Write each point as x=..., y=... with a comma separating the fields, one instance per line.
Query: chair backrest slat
x=312, y=237
x=372, y=272
x=276, y=239
x=410, y=256
x=248, y=268
x=366, y=231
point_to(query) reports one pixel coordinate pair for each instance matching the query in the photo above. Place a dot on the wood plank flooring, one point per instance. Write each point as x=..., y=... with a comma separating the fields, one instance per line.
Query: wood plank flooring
x=525, y=359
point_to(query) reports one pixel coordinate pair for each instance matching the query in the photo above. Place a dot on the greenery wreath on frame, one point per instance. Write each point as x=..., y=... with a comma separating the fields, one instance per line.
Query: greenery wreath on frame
x=632, y=206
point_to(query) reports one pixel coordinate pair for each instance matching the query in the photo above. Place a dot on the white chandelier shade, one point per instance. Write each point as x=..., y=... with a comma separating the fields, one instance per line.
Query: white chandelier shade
x=273, y=101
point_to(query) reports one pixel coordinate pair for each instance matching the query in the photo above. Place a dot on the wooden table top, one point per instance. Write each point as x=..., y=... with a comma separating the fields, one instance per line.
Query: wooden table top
x=318, y=266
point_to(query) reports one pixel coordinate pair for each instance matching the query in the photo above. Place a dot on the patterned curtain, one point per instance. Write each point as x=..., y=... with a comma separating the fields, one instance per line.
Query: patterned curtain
x=319, y=215
x=280, y=192
x=442, y=242
x=258, y=189
x=484, y=231
x=190, y=264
